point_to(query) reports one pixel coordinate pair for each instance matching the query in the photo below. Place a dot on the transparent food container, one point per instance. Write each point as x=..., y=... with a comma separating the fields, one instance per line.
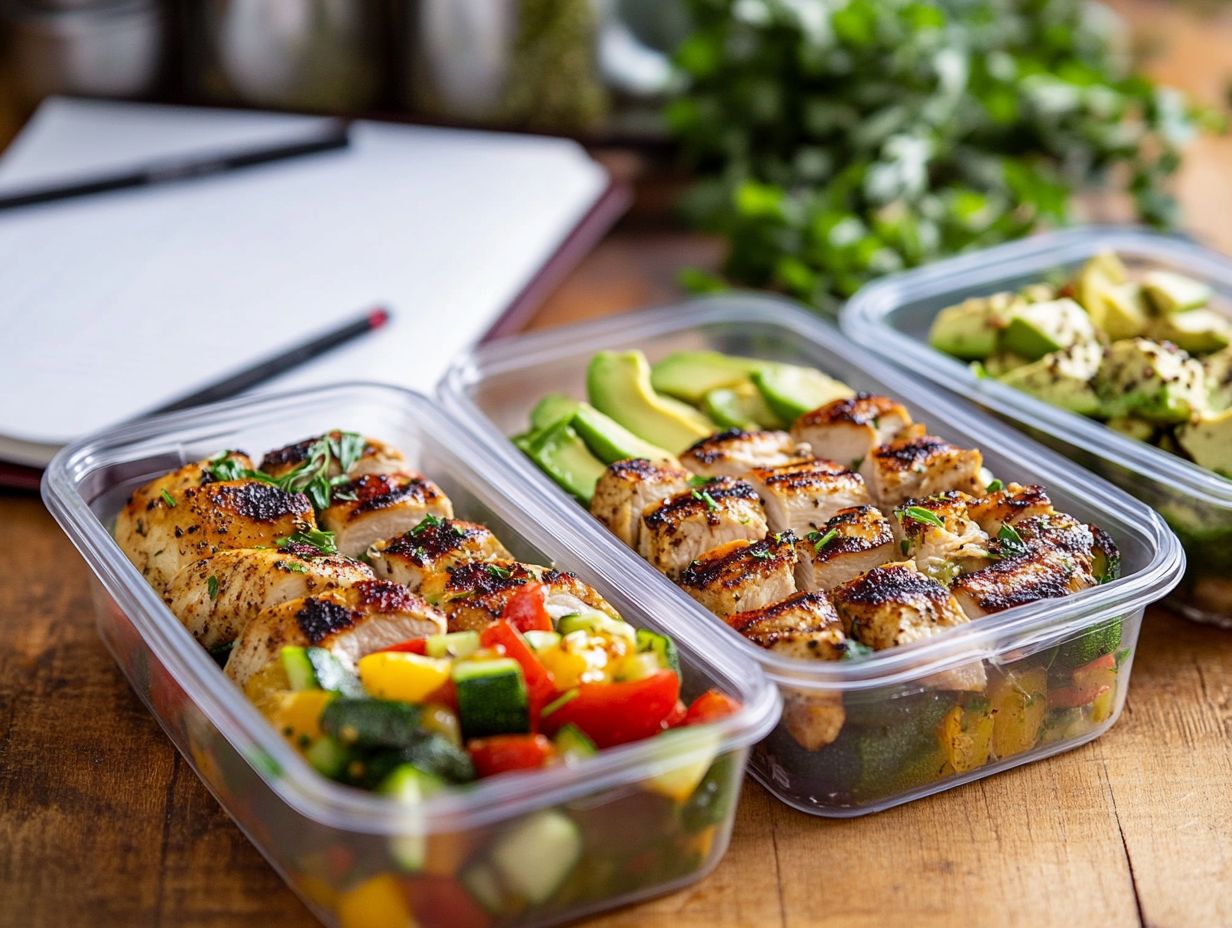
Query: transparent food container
x=358, y=859
x=892, y=317
x=903, y=734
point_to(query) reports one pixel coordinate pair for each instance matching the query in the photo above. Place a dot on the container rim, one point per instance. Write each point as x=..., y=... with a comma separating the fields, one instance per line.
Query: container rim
x=863, y=319
x=282, y=768
x=975, y=640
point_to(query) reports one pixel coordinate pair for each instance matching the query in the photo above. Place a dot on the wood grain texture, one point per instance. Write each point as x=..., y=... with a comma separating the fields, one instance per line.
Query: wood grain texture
x=101, y=823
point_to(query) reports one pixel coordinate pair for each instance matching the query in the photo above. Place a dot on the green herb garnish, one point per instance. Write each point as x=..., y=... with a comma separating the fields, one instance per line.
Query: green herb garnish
x=211, y=586
x=905, y=546
x=820, y=541
x=500, y=573
x=855, y=650
x=168, y=499
x=427, y=522
x=295, y=567
x=317, y=538
x=760, y=553
x=1012, y=544
x=920, y=514
x=705, y=497
x=995, y=487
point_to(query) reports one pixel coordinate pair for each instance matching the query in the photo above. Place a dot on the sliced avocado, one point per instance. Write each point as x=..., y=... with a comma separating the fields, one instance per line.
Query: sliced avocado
x=1062, y=378
x=1170, y=292
x=1036, y=329
x=618, y=384
x=564, y=457
x=1157, y=382
x=1118, y=310
x=792, y=391
x=1133, y=427
x=1002, y=363
x=1038, y=293
x=1105, y=265
x=1218, y=367
x=1209, y=441
x=1198, y=331
x=550, y=410
x=970, y=330
x=740, y=407
x=690, y=375
x=610, y=441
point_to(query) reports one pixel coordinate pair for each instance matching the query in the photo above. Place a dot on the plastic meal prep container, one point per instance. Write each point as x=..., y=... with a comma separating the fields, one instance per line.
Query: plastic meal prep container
x=903, y=736
x=344, y=851
x=892, y=318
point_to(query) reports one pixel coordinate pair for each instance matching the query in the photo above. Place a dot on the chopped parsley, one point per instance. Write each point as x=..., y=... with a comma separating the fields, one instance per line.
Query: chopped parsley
x=706, y=498
x=211, y=586
x=760, y=553
x=427, y=522
x=995, y=487
x=295, y=567
x=697, y=480
x=819, y=540
x=168, y=498
x=920, y=514
x=227, y=467
x=500, y=573
x=321, y=540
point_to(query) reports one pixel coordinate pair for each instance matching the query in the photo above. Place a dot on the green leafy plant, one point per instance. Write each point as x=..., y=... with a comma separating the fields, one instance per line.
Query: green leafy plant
x=838, y=141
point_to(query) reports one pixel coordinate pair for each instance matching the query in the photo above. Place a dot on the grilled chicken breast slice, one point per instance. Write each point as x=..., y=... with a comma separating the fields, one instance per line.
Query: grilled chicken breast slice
x=846, y=430
x=474, y=594
x=916, y=467
x=1044, y=573
x=1057, y=530
x=1008, y=505
x=374, y=457
x=433, y=546
x=376, y=506
x=743, y=575
x=349, y=623
x=168, y=531
x=735, y=452
x=216, y=596
x=682, y=527
x=855, y=540
x=628, y=488
x=938, y=534
x=803, y=497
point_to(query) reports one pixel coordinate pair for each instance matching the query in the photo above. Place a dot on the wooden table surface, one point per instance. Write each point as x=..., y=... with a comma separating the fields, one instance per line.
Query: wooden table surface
x=101, y=822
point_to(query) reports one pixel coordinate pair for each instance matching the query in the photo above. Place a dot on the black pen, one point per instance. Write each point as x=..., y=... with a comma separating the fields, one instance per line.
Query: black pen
x=335, y=136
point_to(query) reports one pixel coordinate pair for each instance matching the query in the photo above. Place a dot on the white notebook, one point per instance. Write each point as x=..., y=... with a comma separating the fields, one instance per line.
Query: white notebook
x=113, y=305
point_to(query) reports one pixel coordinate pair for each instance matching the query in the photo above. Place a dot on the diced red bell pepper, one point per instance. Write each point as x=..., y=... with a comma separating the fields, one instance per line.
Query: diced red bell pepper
x=617, y=713
x=677, y=716
x=526, y=610
x=540, y=685
x=1089, y=681
x=413, y=646
x=710, y=706
x=438, y=902
x=502, y=753
x=446, y=694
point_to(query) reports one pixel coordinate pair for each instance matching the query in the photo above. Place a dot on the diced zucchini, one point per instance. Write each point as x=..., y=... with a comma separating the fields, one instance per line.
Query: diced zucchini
x=541, y=640
x=492, y=697
x=409, y=786
x=453, y=644
x=537, y=855
x=299, y=669
x=636, y=666
x=573, y=744
x=662, y=646
x=317, y=669
x=597, y=623
x=328, y=756
x=481, y=881
x=687, y=754
x=714, y=797
x=371, y=723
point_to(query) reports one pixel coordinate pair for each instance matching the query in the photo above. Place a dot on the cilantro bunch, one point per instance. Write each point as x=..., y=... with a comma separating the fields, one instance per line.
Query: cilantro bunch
x=838, y=140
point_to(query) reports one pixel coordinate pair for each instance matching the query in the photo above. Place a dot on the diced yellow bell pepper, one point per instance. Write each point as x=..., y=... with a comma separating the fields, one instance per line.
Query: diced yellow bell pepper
x=966, y=736
x=402, y=675
x=297, y=715
x=1019, y=704
x=375, y=903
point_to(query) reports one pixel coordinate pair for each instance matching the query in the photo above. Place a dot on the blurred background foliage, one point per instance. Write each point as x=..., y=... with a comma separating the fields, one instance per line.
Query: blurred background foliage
x=838, y=141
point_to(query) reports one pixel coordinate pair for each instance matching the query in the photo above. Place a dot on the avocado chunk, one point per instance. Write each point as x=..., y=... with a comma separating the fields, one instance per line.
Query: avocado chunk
x=562, y=455
x=970, y=330
x=1209, y=442
x=1170, y=292
x=1105, y=267
x=610, y=441
x=1062, y=378
x=1218, y=367
x=1002, y=363
x=1153, y=381
x=1198, y=331
x=1036, y=329
x=618, y=384
x=1133, y=427
x=690, y=375
x=1118, y=310
x=740, y=407
x=550, y=410
x=792, y=391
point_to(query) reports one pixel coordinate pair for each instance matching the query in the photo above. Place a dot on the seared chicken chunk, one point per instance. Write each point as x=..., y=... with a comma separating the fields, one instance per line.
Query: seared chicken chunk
x=896, y=604
x=680, y=528
x=166, y=532
x=846, y=430
x=1044, y=573
x=940, y=536
x=743, y=575
x=365, y=456
x=853, y=541
x=1008, y=505
x=628, y=488
x=475, y=594
x=432, y=546
x=349, y=623
x=735, y=452
x=1057, y=530
x=216, y=596
x=376, y=506
x=803, y=497
x=915, y=467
